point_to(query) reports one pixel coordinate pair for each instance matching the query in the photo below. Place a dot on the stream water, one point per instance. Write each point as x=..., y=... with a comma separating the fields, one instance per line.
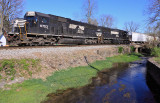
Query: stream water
x=124, y=83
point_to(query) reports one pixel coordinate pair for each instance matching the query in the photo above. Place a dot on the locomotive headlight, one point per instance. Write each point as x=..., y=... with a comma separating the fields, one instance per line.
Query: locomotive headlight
x=99, y=33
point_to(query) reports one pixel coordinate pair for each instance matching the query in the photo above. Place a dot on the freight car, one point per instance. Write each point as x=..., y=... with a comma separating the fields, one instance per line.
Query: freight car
x=142, y=38
x=45, y=29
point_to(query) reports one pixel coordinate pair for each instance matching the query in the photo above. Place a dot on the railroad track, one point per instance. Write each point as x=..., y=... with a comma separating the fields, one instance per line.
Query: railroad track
x=55, y=46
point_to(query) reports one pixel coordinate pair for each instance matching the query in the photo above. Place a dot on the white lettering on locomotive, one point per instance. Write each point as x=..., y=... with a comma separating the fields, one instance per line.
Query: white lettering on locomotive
x=72, y=26
x=114, y=32
x=80, y=28
x=44, y=26
x=99, y=33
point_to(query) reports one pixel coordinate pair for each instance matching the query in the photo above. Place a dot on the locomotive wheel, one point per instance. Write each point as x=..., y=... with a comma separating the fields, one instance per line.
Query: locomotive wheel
x=19, y=44
x=30, y=44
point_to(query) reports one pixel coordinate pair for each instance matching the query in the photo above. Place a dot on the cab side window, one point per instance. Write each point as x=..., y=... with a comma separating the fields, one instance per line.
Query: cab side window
x=44, y=20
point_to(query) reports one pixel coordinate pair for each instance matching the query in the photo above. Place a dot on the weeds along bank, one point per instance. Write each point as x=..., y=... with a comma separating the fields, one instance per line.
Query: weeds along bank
x=36, y=90
x=11, y=68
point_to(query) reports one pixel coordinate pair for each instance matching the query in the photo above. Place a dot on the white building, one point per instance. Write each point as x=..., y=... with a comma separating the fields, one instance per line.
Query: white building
x=2, y=40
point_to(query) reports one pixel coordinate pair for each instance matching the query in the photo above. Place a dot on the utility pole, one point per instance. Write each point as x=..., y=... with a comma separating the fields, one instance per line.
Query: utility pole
x=1, y=23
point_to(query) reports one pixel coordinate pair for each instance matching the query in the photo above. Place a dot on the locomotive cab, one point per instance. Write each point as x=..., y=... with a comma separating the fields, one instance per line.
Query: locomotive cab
x=31, y=18
x=37, y=23
x=31, y=22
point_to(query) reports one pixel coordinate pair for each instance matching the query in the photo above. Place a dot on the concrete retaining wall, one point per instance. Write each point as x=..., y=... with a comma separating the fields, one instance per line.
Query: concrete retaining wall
x=153, y=68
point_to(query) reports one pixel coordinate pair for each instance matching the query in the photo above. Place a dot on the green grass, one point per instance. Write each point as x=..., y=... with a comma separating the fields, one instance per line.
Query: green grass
x=156, y=53
x=157, y=59
x=35, y=90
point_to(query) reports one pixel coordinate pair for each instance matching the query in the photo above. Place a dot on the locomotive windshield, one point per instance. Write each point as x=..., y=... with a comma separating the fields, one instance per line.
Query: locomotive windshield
x=32, y=20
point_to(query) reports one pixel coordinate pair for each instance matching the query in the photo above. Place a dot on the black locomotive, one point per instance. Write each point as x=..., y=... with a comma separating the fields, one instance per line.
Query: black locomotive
x=46, y=29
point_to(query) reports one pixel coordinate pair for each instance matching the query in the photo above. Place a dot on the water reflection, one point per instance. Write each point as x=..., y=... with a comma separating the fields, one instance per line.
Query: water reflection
x=124, y=83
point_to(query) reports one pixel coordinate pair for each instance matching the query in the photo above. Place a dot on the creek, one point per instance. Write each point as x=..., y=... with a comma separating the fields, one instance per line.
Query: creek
x=123, y=83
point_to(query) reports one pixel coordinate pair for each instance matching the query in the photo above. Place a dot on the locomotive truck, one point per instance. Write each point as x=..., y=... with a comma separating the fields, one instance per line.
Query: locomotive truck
x=45, y=29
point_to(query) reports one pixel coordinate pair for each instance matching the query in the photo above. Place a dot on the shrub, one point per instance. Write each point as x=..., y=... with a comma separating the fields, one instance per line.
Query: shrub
x=132, y=49
x=155, y=52
x=120, y=49
x=137, y=54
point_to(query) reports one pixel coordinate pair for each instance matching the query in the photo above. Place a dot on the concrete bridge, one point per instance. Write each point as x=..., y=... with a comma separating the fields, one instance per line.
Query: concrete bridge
x=138, y=47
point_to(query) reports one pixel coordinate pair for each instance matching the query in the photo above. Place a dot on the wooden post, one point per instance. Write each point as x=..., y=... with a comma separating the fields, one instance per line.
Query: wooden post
x=1, y=24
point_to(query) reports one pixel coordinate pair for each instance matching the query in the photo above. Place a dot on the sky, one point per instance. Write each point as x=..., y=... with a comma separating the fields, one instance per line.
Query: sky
x=122, y=10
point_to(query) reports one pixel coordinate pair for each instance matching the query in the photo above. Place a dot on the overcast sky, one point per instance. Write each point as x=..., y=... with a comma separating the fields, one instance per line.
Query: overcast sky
x=122, y=10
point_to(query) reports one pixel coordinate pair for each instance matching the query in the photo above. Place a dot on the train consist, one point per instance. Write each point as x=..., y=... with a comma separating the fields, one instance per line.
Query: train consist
x=46, y=29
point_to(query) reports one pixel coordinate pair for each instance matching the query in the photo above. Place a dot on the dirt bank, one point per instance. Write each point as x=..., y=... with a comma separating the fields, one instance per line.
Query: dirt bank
x=53, y=59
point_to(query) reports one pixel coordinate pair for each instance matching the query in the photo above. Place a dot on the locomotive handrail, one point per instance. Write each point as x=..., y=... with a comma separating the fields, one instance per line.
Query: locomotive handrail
x=20, y=32
x=26, y=29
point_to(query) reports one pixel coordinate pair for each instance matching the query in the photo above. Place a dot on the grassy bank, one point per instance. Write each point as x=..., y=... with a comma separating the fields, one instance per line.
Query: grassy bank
x=35, y=90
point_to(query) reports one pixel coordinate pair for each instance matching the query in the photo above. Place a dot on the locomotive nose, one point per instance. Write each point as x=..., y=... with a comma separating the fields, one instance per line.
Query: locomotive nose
x=19, y=25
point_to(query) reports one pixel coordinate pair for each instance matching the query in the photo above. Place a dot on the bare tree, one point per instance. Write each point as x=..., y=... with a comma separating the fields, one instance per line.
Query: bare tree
x=89, y=10
x=154, y=16
x=94, y=22
x=131, y=26
x=153, y=41
x=106, y=21
x=154, y=12
x=151, y=30
x=10, y=9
